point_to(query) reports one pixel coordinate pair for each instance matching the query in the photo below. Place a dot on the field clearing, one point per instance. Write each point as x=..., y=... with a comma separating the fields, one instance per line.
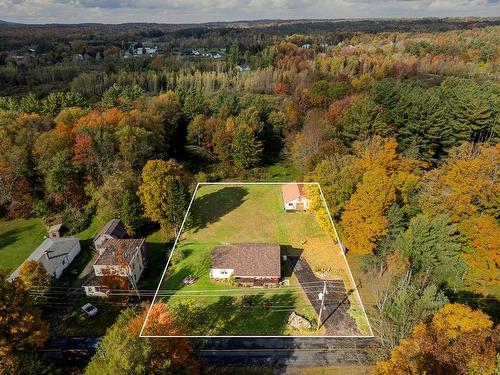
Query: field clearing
x=230, y=214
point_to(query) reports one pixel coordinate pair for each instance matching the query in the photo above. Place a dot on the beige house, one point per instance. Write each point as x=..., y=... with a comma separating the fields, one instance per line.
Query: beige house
x=118, y=257
x=125, y=258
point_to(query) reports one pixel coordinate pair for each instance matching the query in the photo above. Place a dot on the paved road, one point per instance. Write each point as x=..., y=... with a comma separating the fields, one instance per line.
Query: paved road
x=281, y=353
x=334, y=318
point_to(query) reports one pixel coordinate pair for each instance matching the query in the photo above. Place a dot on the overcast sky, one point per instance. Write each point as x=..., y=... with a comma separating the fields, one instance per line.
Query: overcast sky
x=187, y=11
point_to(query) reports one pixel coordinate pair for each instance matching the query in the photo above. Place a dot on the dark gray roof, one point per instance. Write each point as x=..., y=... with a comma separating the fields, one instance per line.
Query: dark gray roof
x=118, y=249
x=114, y=228
x=249, y=259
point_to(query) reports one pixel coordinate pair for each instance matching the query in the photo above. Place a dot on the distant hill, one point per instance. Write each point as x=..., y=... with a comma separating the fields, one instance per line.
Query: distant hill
x=5, y=23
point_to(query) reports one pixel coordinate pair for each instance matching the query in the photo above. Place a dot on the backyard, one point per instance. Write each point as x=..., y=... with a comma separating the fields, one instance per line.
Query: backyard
x=229, y=214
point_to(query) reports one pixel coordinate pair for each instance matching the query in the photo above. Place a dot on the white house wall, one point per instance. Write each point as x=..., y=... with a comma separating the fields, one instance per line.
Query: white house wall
x=292, y=205
x=136, y=267
x=220, y=273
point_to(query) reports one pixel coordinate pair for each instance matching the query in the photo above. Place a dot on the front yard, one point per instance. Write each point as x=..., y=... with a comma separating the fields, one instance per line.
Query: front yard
x=231, y=214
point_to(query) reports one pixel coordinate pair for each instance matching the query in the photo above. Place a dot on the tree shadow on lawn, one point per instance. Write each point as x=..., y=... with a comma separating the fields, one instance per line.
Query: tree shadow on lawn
x=209, y=208
x=157, y=259
x=252, y=314
x=13, y=235
x=175, y=277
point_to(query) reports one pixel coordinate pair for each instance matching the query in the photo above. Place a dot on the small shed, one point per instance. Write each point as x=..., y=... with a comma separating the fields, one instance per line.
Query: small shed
x=294, y=198
x=56, y=231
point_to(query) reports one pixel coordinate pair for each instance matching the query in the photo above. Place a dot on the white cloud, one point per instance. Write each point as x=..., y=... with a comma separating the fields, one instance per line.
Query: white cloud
x=186, y=11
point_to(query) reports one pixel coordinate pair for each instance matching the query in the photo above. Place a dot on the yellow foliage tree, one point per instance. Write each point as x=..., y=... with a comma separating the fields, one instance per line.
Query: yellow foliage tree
x=377, y=153
x=21, y=325
x=467, y=184
x=318, y=206
x=163, y=193
x=364, y=219
x=33, y=274
x=458, y=340
x=483, y=254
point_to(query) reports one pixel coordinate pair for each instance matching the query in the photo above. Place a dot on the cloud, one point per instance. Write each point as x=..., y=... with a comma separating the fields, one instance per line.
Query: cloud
x=187, y=11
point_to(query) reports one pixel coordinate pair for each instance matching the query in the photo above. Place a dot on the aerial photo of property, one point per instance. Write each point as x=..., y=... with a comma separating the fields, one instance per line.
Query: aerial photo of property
x=253, y=259
x=249, y=187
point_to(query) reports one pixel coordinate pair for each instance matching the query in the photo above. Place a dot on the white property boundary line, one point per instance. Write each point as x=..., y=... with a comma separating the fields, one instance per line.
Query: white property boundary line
x=243, y=336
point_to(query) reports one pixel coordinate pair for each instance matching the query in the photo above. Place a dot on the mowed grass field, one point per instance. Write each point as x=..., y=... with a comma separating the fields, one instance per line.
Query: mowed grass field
x=230, y=214
x=18, y=239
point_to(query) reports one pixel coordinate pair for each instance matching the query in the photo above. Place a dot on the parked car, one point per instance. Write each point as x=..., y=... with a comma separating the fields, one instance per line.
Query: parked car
x=89, y=309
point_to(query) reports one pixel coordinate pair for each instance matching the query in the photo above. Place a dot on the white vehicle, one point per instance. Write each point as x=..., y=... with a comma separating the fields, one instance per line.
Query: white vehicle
x=89, y=309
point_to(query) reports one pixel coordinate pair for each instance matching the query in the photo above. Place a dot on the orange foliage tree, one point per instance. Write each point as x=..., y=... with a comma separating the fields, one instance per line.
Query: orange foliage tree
x=483, y=254
x=458, y=340
x=122, y=350
x=21, y=326
x=364, y=219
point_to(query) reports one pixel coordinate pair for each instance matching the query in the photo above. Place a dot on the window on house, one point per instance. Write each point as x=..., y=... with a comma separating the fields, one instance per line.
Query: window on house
x=290, y=204
x=223, y=272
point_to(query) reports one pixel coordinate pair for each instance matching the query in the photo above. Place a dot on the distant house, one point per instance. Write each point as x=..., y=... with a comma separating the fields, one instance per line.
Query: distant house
x=306, y=46
x=243, y=68
x=294, y=198
x=249, y=264
x=113, y=229
x=56, y=231
x=143, y=51
x=55, y=254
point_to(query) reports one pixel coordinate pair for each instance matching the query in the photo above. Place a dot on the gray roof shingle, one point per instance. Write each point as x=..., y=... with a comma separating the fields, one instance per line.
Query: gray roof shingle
x=56, y=249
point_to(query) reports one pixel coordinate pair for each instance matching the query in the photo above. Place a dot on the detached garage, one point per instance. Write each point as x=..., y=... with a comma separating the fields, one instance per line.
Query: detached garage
x=294, y=198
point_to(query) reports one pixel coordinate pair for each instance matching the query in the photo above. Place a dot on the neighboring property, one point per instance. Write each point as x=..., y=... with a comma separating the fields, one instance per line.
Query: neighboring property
x=118, y=257
x=56, y=231
x=113, y=229
x=55, y=254
x=143, y=51
x=249, y=264
x=294, y=198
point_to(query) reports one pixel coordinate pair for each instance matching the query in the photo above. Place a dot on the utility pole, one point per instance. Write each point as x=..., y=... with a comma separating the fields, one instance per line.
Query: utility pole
x=321, y=297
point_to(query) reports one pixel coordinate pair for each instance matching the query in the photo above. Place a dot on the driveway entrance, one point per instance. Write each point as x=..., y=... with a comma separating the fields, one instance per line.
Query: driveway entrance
x=334, y=318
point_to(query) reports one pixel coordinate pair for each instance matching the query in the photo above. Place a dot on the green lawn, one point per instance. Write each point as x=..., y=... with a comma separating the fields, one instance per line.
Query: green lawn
x=223, y=214
x=18, y=239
